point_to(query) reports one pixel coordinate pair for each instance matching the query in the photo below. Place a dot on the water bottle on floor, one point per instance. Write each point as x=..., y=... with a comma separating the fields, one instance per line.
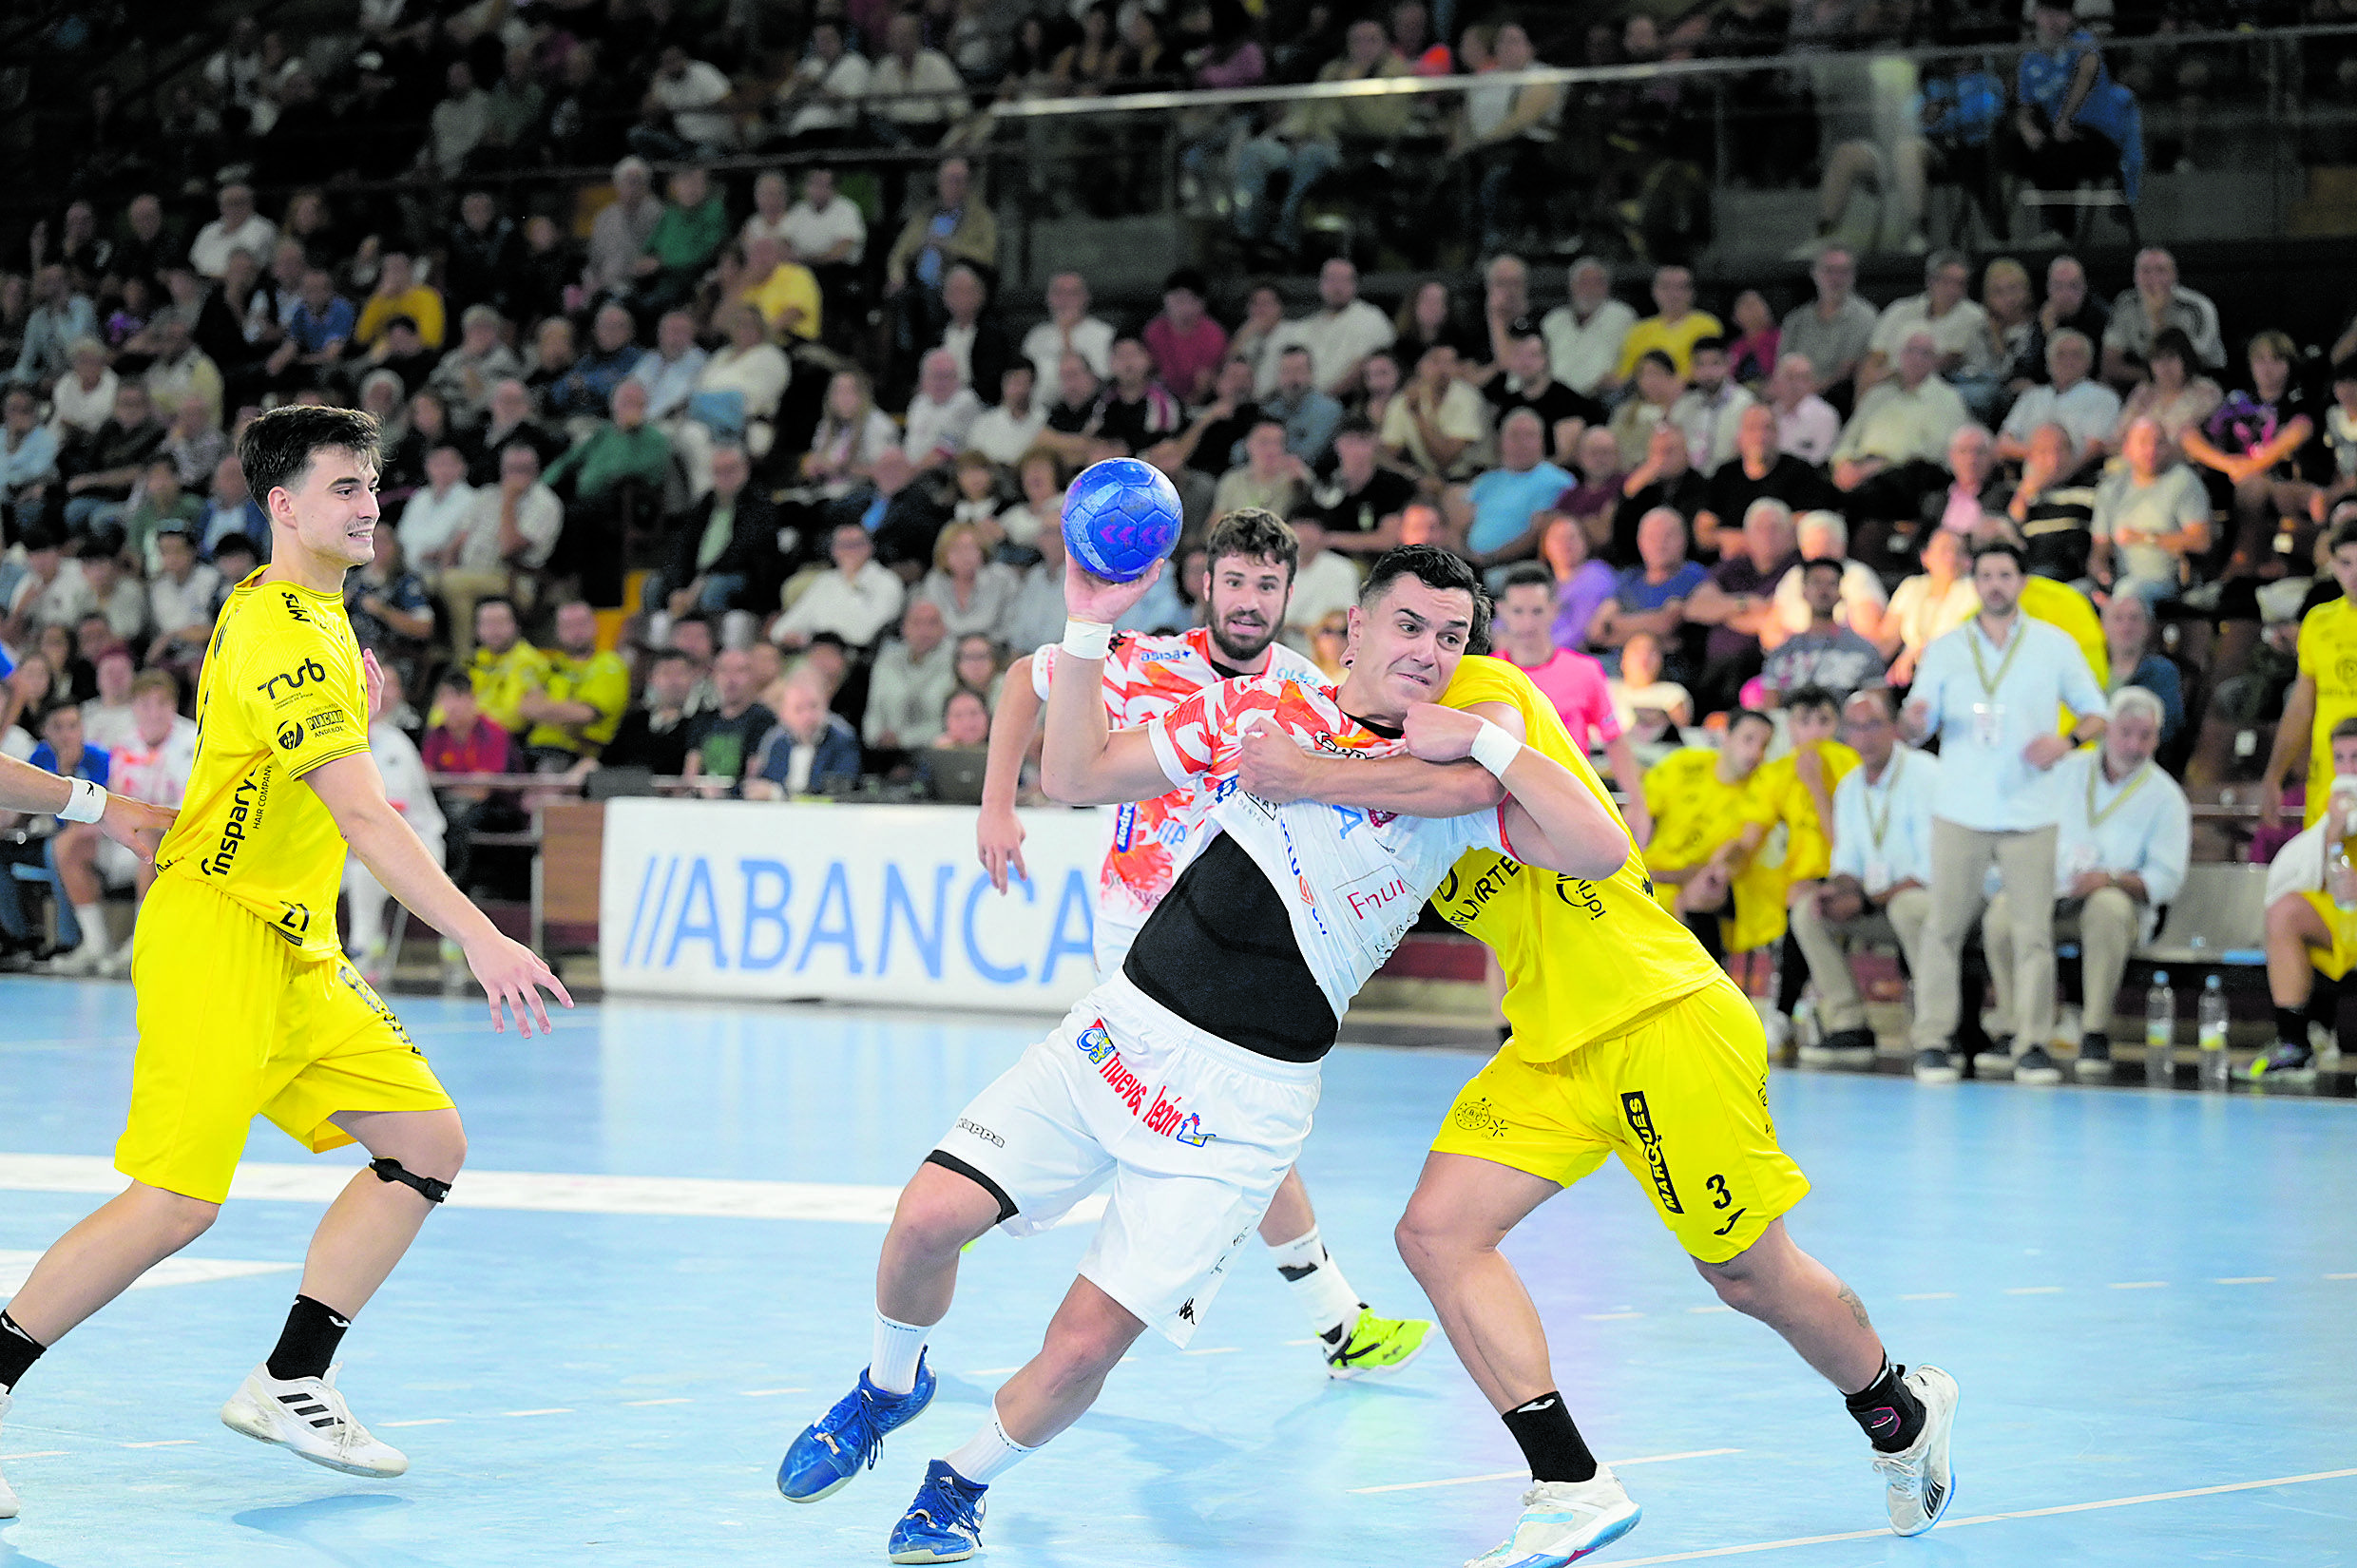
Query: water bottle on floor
x=2160, y=1028
x=2212, y=1021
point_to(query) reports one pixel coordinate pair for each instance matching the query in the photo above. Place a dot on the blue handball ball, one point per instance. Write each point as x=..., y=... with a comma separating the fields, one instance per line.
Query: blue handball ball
x=1119, y=517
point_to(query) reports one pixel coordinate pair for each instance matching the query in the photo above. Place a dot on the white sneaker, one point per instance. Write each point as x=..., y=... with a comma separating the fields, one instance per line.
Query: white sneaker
x=309, y=1416
x=1921, y=1481
x=84, y=960
x=1565, y=1520
x=8, y=1495
x=1777, y=1026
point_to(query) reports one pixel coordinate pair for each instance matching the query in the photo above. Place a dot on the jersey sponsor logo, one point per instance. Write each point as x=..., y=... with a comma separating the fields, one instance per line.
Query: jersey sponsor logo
x=290, y=736
x=1159, y=655
x=319, y=723
x=1375, y=892
x=1094, y=1043
x=294, y=605
x=310, y=671
x=1461, y=902
x=1124, y=823
x=245, y=804
x=1581, y=894
x=1640, y=1122
x=1158, y=1109
x=1476, y=1116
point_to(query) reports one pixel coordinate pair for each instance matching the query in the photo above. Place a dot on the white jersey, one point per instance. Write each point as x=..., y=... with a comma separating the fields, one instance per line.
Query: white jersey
x=1148, y=842
x=1358, y=877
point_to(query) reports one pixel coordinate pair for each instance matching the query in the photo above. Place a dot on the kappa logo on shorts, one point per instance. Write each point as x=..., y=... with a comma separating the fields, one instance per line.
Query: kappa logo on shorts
x=1640, y=1122
x=1186, y=1310
x=1475, y=1116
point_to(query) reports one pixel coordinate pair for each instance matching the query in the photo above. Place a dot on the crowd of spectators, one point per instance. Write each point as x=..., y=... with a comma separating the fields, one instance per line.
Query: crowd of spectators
x=822, y=545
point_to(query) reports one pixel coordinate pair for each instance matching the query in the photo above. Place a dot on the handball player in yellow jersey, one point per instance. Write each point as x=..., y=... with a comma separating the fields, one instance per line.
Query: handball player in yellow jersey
x=1626, y=1039
x=246, y=1003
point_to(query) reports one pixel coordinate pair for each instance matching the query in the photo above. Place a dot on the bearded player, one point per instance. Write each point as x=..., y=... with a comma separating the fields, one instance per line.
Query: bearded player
x=247, y=1004
x=1252, y=556
x=1627, y=1040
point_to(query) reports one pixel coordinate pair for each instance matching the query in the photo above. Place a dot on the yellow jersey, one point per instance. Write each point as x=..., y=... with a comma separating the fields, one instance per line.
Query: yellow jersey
x=282, y=694
x=1583, y=959
x=501, y=680
x=1803, y=853
x=1694, y=809
x=603, y=681
x=2328, y=656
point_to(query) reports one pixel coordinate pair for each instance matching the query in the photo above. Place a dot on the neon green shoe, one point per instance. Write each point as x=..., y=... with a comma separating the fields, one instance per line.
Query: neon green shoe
x=1376, y=1345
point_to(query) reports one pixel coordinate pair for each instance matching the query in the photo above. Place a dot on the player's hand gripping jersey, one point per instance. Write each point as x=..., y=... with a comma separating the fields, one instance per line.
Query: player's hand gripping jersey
x=1351, y=880
x=283, y=692
x=1148, y=842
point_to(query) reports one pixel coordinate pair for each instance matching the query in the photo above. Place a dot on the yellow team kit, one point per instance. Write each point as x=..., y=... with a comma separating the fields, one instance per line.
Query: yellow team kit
x=245, y=1003
x=1627, y=1038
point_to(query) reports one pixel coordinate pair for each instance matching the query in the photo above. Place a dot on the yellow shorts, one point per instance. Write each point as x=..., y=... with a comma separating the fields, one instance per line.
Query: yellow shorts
x=1683, y=1098
x=234, y=1022
x=2333, y=963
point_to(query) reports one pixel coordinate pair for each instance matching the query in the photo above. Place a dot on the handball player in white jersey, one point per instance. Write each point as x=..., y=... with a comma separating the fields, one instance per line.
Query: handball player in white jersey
x=1187, y=1079
x=1252, y=558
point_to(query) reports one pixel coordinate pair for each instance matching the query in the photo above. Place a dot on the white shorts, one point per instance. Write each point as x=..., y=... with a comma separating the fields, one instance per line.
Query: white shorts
x=1194, y=1132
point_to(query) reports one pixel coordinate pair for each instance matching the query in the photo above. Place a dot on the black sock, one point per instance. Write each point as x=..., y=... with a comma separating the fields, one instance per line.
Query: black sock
x=307, y=1344
x=1888, y=1411
x=1793, y=978
x=1550, y=1441
x=18, y=1350
x=2292, y=1026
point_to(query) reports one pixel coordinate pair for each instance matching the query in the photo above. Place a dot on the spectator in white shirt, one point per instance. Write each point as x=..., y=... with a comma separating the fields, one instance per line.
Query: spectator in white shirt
x=2121, y=850
x=1958, y=325
x=238, y=227
x=914, y=92
x=854, y=599
x=1007, y=429
x=1880, y=885
x=1069, y=329
x=1825, y=536
x=2087, y=409
x=685, y=109
x=1324, y=581
x=820, y=103
x=1340, y=334
x=1583, y=337
x=1708, y=411
x=2150, y=512
x=940, y=413
x=973, y=594
x=149, y=761
x=179, y=599
x=1806, y=427
x=408, y=792
x=434, y=518
x=511, y=528
x=824, y=229
x=914, y=676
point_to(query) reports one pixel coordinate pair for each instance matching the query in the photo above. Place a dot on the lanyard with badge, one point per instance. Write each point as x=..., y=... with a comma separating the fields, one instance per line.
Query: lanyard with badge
x=2082, y=854
x=1988, y=717
x=1878, y=864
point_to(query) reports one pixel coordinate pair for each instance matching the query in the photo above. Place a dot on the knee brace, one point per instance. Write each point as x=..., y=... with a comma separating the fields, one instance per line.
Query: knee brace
x=429, y=1189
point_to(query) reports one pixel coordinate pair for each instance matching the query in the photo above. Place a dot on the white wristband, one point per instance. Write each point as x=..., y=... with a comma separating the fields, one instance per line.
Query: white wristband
x=1495, y=750
x=87, y=802
x=1087, y=638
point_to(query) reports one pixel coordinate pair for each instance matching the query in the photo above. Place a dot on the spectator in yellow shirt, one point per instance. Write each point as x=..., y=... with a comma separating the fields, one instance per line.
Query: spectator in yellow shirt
x=576, y=710
x=504, y=668
x=1675, y=330
x=786, y=293
x=399, y=293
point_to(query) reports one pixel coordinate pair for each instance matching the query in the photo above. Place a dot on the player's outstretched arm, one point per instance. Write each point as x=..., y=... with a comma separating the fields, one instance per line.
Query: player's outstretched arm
x=1084, y=763
x=1552, y=820
x=1274, y=766
x=510, y=972
x=134, y=824
x=998, y=834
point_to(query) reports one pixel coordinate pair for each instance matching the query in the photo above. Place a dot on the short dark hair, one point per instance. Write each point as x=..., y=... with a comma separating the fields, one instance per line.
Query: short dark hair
x=1707, y=345
x=1736, y=718
x=491, y=598
x=1435, y=568
x=1254, y=534
x=1830, y=564
x=829, y=639
x=1189, y=278
x=1355, y=424
x=2344, y=533
x=1812, y=699
x=1657, y=356
x=664, y=654
x=2343, y=730
x=2173, y=343
x=1526, y=574
x=2005, y=547
x=455, y=679
x=277, y=449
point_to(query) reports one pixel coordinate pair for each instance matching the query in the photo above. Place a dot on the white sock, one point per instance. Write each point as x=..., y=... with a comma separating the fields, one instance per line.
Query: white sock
x=1316, y=1282
x=898, y=1346
x=987, y=1455
x=92, y=918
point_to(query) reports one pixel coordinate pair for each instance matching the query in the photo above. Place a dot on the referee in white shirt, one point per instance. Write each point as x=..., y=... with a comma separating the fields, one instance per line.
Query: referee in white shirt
x=1881, y=882
x=1991, y=691
x=2120, y=850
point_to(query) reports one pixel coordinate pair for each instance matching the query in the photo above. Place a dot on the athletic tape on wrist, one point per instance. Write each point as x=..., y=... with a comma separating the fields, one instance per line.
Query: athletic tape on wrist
x=1087, y=638
x=87, y=803
x=1495, y=750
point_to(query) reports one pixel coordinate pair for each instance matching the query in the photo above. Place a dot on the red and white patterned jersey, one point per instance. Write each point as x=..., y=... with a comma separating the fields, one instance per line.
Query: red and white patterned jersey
x=1149, y=841
x=1354, y=879
x=157, y=775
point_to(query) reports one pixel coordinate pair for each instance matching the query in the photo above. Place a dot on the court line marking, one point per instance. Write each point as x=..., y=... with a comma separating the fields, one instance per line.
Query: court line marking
x=1524, y=1474
x=1995, y=1518
x=541, y=1192
x=2341, y=1276
x=1211, y=1350
x=41, y=1453
x=165, y=1443
x=2247, y=1279
x=552, y=1410
x=1609, y=1317
x=633, y=1403
x=427, y=1421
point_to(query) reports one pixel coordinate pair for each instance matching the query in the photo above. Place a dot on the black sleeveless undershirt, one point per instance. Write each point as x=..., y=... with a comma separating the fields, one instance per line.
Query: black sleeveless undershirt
x=1219, y=952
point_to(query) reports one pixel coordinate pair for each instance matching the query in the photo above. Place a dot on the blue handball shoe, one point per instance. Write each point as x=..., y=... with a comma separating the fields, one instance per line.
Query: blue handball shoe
x=943, y=1525
x=847, y=1439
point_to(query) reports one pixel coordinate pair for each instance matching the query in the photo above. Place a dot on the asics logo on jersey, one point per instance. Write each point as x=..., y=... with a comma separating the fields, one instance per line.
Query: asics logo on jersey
x=1157, y=656
x=295, y=606
x=302, y=675
x=1640, y=1122
x=244, y=802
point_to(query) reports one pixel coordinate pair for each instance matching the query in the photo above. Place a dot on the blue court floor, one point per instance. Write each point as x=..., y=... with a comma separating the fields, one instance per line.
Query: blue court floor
x=663, y=1266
